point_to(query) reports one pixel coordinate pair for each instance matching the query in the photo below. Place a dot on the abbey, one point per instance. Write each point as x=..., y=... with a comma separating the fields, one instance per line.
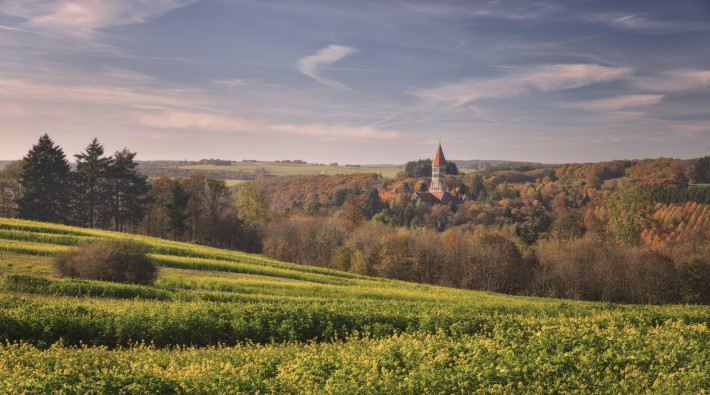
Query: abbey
x=438, y=193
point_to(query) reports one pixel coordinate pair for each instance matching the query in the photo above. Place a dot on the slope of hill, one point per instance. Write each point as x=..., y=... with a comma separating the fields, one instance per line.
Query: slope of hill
x=220, y=321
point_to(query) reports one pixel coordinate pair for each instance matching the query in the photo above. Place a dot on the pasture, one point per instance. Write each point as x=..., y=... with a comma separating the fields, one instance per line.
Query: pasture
x=286, y=169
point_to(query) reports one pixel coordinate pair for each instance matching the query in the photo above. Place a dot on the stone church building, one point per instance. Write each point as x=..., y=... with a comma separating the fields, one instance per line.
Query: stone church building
x=438, y=193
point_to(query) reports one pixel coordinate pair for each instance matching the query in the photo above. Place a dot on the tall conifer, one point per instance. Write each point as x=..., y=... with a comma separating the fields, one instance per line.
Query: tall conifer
x=127, y=191
x=46, y=183
x=91, y=183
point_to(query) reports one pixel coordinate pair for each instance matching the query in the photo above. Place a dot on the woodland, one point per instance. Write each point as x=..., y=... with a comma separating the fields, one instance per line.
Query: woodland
x=624, y=231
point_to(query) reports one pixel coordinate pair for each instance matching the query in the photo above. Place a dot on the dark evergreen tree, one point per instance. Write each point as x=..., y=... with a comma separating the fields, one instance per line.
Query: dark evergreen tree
x=127, y=191
x=46, y=182
x=418, y=168
x=699, y=170
x=373, y=204
x=177, y=210
x=91, y=183
x=451, y=168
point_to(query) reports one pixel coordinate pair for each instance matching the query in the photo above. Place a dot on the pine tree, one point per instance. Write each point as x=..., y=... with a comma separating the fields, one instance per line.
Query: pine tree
x=126, y=190
x=46, y=181
x=91, y=183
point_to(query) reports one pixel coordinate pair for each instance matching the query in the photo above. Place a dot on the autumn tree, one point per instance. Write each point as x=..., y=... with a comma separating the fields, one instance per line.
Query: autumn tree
x=695, y=280
x=396, y=257
x=477, y=187
x=10, y=188
x=654, y=279
x=215, y=198
x=46, y=183
x=155, y=221
x=495, y=264
x=629, y=212
x=194, y=187
x=252, y=204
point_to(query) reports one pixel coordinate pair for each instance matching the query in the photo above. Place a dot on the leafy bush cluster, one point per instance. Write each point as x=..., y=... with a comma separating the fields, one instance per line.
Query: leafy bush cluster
x=123, y=261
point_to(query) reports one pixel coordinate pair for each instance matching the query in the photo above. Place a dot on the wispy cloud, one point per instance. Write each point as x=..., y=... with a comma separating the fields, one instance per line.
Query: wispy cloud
x=501, y=10
x=106, y=95
x=196, y=120
x=517, y=82
x=616, y=103
x=73, y=17
x=312, y=65
x=241, y=82
x=213, y=122
x=675, y=81
x=644, y=23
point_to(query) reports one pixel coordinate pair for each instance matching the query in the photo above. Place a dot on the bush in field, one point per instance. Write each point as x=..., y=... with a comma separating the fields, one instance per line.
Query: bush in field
x=123, y=261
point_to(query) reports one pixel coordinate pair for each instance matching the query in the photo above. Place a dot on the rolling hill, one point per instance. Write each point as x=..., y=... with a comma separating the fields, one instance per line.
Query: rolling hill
x=221, y=321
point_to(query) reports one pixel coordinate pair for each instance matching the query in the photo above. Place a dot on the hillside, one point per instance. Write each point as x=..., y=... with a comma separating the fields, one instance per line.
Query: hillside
x=221, y=321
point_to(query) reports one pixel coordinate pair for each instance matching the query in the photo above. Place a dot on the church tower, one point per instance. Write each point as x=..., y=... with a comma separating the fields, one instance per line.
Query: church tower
x=438, y=172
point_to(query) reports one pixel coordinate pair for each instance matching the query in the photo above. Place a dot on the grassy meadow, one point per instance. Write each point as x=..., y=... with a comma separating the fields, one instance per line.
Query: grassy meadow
x=288, y=169
x=220, y=321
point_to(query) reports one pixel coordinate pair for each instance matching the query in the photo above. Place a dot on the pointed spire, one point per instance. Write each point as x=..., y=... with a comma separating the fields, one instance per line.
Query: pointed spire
x=439, y=159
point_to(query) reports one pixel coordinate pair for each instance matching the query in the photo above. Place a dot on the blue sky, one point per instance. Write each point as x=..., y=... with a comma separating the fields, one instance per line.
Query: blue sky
x=358, y=81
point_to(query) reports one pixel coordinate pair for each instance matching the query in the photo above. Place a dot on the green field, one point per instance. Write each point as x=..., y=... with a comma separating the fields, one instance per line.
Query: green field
x=231, y=183
x=219, y=321
x=284, y=169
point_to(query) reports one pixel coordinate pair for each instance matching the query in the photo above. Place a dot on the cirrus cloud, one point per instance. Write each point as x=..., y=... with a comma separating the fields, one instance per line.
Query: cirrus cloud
x=546, y=78
x=617, y=102
x=72, y=17
x=220, y=123
x=312, y=65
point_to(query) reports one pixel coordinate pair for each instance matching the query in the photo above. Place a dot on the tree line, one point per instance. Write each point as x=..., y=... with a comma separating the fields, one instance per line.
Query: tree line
x=109, y=192
x=591, y=267
x=101, y=191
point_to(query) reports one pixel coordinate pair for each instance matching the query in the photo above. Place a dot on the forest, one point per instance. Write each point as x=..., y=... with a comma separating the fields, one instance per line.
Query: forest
x=626, y=231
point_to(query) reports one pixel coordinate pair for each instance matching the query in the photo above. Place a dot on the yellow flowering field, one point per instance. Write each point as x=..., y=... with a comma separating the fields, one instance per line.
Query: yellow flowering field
x=220, y=321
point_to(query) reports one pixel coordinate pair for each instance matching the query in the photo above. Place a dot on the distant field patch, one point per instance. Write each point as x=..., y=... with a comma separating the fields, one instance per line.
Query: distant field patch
x=231, y=183
x=285, y=169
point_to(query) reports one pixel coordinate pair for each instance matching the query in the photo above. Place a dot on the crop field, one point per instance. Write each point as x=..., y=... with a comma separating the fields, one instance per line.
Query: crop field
x=220, y=321
x=286, y=169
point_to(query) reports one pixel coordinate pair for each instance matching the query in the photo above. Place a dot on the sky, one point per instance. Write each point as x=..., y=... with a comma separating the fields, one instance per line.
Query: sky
x=367, y=81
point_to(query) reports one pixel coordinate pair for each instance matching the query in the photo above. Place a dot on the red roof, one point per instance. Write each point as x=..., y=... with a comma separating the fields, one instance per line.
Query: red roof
x=387, y=195
x=439, y=159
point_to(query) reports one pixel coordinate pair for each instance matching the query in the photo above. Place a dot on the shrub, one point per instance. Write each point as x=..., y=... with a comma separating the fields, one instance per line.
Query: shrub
x=123, y=261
